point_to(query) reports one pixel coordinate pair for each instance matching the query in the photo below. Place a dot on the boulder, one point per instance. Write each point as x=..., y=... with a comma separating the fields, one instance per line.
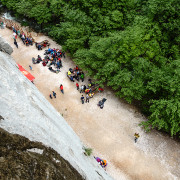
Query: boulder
x=5, y=47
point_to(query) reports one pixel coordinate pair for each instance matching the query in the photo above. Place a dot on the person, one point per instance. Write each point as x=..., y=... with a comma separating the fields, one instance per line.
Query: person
x=44, y=63
x=33, y=60
x=77, y=85
x=136, y=136
x=87, y=91
x=87, y=98
x=100, y=89
x=39, y=47
x=69, y=73
x=78, y=72
x=71, y=70
x=39, y=58
x=18, y=32
x=30, y=67
x=89, y=85
x=14, y=35
x=71, y=78
x=90, y=81
x=82, y=99
x=76, y=68
x=97, y=159
x=101, y=104
x=58, y=64
x=82, y=77
x=103, y=100
x=76, y=77
x=15, y=42
x=82, y=89
x=50, y=96
x=61, y=88
x=48, y=45
x=23, y=38
x=2, y=25
x=103, y=163
x=91, y=95
x=54, y=94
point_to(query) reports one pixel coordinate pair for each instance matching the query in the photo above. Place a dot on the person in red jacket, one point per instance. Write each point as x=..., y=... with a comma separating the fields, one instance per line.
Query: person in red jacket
x=61, y=88
x=100, y=89
x=77, y=85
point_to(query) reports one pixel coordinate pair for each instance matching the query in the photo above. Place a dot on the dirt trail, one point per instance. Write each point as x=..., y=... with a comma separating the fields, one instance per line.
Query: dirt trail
x=109, y=131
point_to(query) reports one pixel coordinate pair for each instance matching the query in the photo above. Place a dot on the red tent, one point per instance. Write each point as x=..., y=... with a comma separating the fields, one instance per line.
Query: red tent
x=26, y=73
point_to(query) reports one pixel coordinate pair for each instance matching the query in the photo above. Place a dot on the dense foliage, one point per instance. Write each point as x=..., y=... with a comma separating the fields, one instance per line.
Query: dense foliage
x=132, y=46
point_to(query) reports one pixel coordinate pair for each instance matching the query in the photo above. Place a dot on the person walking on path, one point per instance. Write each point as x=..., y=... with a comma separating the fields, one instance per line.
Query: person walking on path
x=30, y=67
x=15, y=43
x=82, y=99
x=61, y=88
x=136, y=136
x=54, y=94
x=77, y=85
x=87, y=98
x=50, y=96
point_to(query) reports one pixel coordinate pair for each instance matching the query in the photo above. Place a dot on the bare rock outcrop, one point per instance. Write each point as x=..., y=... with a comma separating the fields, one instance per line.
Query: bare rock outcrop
x=5, y=47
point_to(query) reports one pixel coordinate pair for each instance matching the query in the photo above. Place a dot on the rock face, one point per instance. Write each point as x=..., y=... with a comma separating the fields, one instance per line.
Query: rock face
x=24, y=159
x=25, y=111
x=4, y=47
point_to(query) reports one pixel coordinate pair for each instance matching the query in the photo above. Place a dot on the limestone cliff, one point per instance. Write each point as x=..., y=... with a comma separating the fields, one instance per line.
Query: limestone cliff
x=26, y=112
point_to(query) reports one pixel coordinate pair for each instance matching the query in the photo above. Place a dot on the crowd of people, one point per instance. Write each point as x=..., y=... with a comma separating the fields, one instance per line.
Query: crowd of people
x=26, y=37
x=52, y=59
x=90, y=89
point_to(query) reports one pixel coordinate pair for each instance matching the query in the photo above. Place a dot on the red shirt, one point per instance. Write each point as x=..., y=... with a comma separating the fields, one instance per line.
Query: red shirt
x=61, y=87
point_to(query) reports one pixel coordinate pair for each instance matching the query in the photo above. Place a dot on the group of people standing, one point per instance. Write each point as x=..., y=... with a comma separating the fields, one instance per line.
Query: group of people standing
x=17, y=32
x=27, y=40
x=77, y=74
x=89, y=90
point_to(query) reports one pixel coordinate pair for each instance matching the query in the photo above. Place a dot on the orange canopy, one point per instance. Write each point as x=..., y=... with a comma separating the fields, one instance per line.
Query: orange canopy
x=26, y=73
